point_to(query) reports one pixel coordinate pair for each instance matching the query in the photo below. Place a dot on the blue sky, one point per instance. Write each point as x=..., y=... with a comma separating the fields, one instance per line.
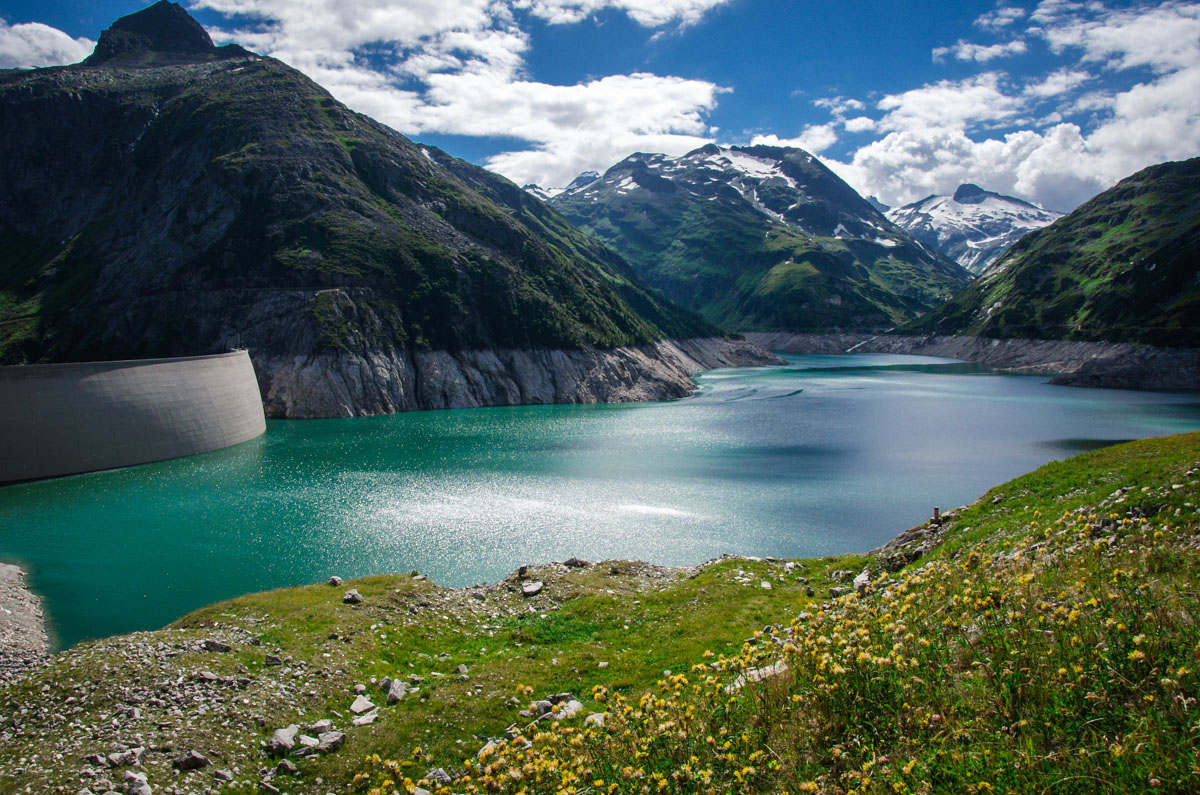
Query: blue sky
x=1051, y=101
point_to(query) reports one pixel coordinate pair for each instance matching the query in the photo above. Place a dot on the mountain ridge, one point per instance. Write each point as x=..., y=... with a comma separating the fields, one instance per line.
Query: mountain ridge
x=760, y=238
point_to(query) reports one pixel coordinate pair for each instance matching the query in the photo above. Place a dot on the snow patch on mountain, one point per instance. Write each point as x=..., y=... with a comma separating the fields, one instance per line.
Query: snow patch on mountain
x=974, y=226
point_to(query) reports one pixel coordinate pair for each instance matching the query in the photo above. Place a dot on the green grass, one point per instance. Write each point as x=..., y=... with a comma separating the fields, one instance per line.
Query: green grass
x=1049, y=643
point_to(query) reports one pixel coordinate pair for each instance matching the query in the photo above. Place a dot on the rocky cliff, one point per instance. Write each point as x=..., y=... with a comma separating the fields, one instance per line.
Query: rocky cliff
x=167, y=197
x=342, y=383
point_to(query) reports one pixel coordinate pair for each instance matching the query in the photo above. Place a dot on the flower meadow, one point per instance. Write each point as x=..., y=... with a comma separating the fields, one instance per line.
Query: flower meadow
x=1047, y=643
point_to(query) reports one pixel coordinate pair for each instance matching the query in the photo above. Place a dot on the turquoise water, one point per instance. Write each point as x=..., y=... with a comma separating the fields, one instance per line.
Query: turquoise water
x=826, y=455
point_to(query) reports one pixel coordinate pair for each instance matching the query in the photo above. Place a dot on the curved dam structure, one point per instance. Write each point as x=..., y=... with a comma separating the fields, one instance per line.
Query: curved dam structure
x=61, y=419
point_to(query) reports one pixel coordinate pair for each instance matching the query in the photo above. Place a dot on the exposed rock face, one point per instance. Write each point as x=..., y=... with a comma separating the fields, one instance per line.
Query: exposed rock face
x=1094, y=364
x=160, y=33
x=343, y=384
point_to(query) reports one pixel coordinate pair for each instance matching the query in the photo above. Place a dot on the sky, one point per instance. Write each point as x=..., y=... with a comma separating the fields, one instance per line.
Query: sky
x=1050, y=101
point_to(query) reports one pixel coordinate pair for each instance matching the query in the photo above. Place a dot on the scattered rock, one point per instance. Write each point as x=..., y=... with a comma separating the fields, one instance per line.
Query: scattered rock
x=396, y=691
x=359, y=689
x=136, y=783
x=217, y=646
x=766, y=586
x=361, y=704
x=368, y=718
x=595, y=719
x=461, y=669
x=222, y=775
x=576, y=563
x=834, y=593
x=321, y=726
x=862, y=581
x=287, y=767
x=352, y=597
x=478, y=596
x=267, y=788
x=570, y=710
x=330, y=741
x=334, y=581
x=532, y=588
x=439, y=776
x=192, y=760
x=131, y=756
x=282, y=741
x=271, y=659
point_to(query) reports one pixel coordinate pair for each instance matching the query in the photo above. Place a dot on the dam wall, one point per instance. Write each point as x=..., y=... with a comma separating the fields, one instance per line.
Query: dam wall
x=62, y=419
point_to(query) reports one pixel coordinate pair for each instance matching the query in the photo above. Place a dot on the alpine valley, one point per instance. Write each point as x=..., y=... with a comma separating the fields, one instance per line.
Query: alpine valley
x=760, y=239
x=167, y=197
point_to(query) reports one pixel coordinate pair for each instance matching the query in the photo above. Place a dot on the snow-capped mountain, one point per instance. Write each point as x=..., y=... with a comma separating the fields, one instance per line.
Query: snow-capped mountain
x=760, y=238
x=537, y=190
x=974, y=226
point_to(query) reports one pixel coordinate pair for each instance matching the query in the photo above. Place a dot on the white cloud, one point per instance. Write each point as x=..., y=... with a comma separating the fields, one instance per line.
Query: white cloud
x=1163, y=38
x=839, y=106
x=1058, y=83
x=939, y=135
x=1002, y=17
x=35, y=44
x=980, y=53
x=815, y=138
x=457, y=67
x=860, y=124
x=648, y=13
x=949, y=103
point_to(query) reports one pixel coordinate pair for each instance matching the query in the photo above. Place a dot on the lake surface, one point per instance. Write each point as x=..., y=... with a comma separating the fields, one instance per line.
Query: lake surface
x=829, y=454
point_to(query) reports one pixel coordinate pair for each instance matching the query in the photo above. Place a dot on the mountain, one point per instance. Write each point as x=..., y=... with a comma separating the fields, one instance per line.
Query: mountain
x=1123, y=267
x=760, y=238
x=974, y=227
x=167, y=197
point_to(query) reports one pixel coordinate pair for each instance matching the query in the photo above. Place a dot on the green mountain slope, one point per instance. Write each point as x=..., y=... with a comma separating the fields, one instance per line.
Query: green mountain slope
x=1124, y=267
x=761, y=238
x=167, y=197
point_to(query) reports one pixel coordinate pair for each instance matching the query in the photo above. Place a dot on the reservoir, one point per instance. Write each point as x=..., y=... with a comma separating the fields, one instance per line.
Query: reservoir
x=828, y=454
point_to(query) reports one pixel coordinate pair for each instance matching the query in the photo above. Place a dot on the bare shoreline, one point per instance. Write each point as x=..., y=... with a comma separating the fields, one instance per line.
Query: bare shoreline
x=24, y=642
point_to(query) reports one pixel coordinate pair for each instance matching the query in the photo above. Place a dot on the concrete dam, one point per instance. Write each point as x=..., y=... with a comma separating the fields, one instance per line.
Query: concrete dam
x=62, y=419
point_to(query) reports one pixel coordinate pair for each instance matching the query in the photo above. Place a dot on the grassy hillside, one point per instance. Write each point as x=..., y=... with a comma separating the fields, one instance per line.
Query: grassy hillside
x=1042, y=640
x=1123, y=267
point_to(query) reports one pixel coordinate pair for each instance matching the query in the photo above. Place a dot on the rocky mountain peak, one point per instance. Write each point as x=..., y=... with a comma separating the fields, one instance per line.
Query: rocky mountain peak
x=969, y=193
x=584, y=179
x=158, y=33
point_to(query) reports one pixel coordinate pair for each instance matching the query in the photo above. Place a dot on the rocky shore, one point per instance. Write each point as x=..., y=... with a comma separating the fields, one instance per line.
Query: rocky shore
x=1073, y=363
x=347, y=384
x=24, y=643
